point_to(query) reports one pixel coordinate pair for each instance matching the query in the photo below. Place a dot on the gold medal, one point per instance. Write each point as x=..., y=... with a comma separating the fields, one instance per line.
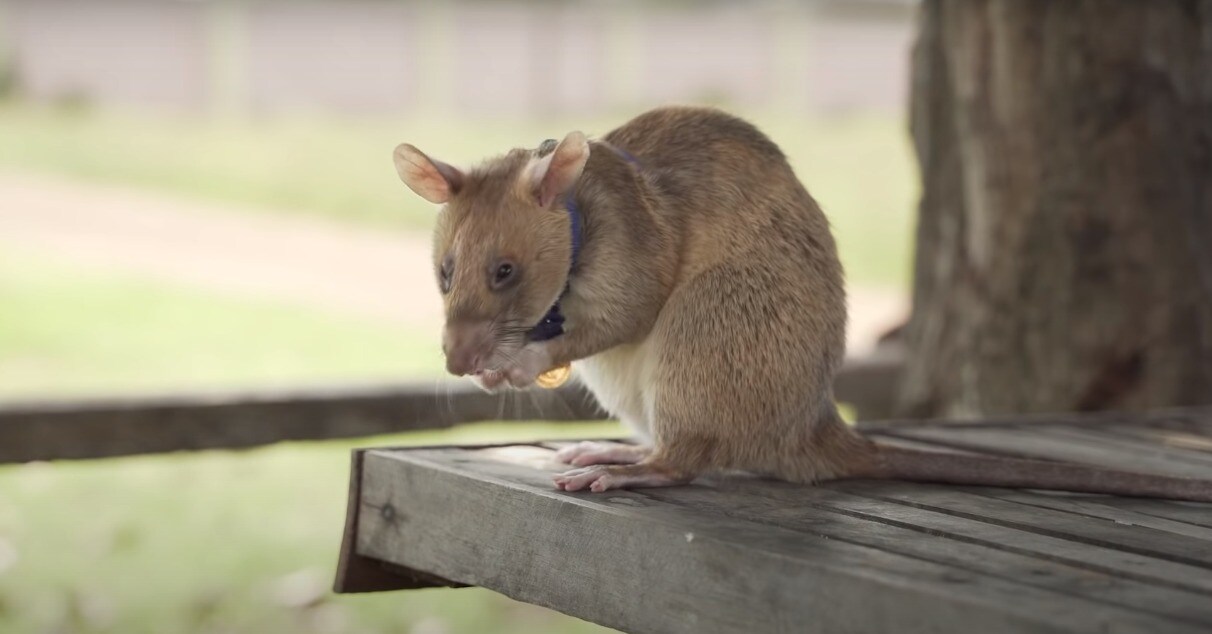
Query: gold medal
x=554, y=377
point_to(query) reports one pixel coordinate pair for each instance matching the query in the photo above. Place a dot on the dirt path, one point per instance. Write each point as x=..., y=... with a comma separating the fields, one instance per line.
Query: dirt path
x=318, y=264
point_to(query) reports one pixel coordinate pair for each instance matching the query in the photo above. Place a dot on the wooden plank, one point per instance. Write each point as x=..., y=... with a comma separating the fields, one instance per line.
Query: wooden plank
x=965, y=544
x=869, y=384
x=1164, y=437
x=1035, y=443
x=1110, y=439
x=1100, y=507
x=116, y=427
x=632, y=561
x=968, y=503
x=356, y=573
x=1196, y=420
x=1189, y=512
x=1139, y=551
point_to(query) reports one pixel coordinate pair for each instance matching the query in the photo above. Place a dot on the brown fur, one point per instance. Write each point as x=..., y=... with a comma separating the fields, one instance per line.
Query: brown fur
x=490, y=219
x=714, y=217
x=752, y=329
x=707, y=308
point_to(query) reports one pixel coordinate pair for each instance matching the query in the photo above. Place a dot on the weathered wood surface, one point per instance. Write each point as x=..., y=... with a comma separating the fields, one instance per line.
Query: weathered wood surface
x=746, y=555
x=135, y=425
x=45, y=431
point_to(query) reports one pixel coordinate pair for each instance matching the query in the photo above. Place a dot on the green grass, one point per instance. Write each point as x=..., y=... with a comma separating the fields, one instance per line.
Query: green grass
x=859, y=168
x=203, y=542
x=63, y=330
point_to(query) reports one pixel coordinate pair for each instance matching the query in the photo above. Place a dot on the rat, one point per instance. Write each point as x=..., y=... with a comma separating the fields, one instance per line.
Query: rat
x=685, y=272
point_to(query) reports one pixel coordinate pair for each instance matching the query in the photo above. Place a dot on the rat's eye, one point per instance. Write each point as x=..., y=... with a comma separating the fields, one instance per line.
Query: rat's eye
x=505, y=273
x=444, y=275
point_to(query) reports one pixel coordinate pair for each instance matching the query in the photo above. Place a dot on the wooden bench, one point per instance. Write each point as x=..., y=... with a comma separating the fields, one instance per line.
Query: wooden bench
x=744, y=555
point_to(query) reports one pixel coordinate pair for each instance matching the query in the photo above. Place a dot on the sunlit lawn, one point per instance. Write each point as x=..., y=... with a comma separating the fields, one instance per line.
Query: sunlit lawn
x=210, y=542
x=218, y=542
x=859, y=168
x=65, y=330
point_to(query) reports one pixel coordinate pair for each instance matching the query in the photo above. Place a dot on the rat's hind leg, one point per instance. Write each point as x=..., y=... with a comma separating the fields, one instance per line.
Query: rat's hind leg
x=587, y=453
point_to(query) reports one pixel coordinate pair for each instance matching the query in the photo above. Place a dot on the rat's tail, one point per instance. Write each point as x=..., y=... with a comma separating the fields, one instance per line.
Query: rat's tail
x=895, y=463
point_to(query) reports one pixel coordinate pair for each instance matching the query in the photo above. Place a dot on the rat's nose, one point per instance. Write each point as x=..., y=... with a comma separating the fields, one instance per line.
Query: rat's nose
x=467, y=346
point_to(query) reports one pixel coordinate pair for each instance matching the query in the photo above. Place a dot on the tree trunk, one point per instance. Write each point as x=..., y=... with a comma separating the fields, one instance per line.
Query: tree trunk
x=1064, y=251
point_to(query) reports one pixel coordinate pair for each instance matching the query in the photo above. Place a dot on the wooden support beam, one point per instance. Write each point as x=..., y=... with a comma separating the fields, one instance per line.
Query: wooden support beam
x=57, y=430
x=868, y=384
x=117, y=427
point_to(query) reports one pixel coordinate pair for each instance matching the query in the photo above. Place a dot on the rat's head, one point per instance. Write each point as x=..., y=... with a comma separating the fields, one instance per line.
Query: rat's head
x=502, y=247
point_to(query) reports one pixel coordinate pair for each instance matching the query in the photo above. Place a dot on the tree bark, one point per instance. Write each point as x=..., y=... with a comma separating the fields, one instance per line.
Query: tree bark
x=1064, y=246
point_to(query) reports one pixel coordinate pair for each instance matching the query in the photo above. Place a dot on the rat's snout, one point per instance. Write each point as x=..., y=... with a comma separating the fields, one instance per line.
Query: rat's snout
x=467, y=345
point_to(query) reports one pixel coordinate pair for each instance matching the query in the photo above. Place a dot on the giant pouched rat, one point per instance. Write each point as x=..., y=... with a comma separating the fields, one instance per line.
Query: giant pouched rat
x=694, y=283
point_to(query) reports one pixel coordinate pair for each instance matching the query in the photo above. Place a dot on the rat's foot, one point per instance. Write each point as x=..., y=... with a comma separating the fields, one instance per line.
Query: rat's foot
x=599, y=478
x=587, y=453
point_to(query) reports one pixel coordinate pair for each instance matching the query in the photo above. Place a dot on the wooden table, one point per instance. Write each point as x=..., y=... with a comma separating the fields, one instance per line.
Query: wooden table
x=743, y=555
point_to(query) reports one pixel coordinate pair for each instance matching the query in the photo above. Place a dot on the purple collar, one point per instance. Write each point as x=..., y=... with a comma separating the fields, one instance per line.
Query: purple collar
x=552, y=324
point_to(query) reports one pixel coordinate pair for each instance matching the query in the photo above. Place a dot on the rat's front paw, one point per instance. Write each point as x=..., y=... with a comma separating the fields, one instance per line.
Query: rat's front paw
x=490, y=381
x=531, y=361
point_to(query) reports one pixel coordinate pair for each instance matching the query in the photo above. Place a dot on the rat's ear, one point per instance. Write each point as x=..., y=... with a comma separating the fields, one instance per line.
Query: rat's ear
x=554, y=174
x=432, y=180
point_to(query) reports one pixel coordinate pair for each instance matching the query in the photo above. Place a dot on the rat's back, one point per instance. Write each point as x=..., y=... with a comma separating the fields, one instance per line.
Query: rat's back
x=747, y=343
x=729, y=185
x=688, y=138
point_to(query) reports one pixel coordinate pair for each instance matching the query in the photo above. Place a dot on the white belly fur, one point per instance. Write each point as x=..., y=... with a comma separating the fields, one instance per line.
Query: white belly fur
x=618, y=379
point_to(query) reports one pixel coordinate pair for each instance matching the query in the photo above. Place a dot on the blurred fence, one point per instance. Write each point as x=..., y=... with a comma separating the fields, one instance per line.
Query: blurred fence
x=503, y=57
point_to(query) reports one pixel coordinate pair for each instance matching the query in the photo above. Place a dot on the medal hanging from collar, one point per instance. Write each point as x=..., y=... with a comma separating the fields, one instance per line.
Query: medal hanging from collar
x=552, y=324
x=554, y=377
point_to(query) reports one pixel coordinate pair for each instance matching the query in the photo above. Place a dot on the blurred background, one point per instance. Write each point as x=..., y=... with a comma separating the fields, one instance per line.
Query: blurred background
x=198, y=195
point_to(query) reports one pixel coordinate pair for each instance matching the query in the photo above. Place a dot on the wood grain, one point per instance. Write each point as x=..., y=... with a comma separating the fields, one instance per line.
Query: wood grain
x=740, y=554
x=117, y=427
x=1033, y=443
